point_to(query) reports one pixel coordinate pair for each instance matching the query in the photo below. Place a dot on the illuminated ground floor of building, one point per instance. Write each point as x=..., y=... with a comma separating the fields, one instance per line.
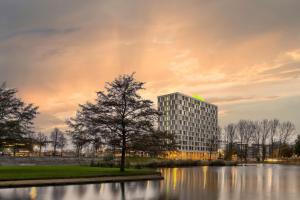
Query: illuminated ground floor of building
x=191, y=155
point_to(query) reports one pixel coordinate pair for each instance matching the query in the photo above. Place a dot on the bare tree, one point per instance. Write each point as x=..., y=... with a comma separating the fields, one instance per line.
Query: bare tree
x=273, y=133
x=55, y=134
x=42, y=141
x=62, y=141
x=79, y=131
x=286, y=130
x=121, y=114
x=230, y=136
x=214, y=141
x=242, y=129
x=257, y=138
x=249, y=136
x=265, y=131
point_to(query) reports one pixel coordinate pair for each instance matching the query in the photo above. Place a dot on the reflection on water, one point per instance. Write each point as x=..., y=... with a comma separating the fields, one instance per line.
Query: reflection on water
x=229, y=183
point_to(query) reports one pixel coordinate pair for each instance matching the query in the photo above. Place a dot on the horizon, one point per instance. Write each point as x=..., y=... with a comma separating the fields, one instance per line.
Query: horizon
x=61, y=53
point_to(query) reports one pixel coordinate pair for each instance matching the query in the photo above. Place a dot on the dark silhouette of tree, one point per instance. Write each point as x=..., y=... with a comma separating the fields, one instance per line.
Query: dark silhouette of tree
x=62, y=142
x=297, y=146
x=41, y=140
x=213, y=141
x=259, y=135
x=155, y=144
x=265, y=131
x=286, y=151
x=122, y=114
x=286, y=130
x=248, y=136
x=273, y=133
x=55, y=136
x=16, y=117
x=230, y=137
x=119, y=115
x=242, y=129
x=256, y=139
x=78, y=131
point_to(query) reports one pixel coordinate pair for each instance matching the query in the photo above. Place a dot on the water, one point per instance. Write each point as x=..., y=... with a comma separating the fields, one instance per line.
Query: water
x=210, y=183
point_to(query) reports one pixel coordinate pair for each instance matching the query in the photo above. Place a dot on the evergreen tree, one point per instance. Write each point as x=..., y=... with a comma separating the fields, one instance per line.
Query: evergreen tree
x=16, y=117
x=297, y=146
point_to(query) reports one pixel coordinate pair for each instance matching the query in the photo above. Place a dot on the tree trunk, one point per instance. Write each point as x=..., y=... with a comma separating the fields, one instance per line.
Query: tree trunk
x=263, y=152
x=54, y=150
x=123, y=191
x=229, y=156
x=272, y=146
x=78, y=151
x=246, y=153
x=122, y=167
x=14, y=149
x=258, y=152
x=279, y=150
x=40, y=151
x=241, y=150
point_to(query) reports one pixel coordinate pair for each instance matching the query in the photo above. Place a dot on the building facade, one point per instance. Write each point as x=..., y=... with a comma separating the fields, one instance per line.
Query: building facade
x=194, y=123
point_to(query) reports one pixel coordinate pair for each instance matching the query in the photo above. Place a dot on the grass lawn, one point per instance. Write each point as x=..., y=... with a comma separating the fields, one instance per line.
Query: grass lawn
x=52, y=172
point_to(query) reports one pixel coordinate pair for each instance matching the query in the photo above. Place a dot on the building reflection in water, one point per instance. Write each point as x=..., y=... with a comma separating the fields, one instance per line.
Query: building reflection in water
x=33, y=193
x=261, y=182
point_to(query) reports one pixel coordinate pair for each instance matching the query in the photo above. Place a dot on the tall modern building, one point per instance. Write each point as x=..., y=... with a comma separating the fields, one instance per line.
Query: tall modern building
x=194, y=123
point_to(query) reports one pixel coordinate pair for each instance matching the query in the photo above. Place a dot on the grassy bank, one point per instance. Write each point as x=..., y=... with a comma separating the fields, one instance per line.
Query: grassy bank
x=64, y=172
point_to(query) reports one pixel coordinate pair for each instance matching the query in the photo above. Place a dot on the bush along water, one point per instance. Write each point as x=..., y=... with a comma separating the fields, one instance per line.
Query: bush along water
x=164, y=163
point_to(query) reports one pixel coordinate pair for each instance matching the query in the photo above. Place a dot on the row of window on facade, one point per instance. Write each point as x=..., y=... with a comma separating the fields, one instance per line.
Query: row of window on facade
x=204, y=119
x=193, y=123
x=188, y=109
x=180, y=113
x=200, y=129
x=194, y=136
x=197, y=148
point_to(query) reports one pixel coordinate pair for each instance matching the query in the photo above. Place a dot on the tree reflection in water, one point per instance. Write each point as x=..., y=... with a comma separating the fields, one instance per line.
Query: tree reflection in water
x=58, y=192
x=81, y=190
x=97, y=188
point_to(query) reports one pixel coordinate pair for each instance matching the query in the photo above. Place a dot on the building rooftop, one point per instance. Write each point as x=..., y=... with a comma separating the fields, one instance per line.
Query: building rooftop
x=197, y=97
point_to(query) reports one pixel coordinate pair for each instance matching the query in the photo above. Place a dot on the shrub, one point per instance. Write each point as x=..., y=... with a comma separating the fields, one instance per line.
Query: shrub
x=217, y=163
x=108, y=157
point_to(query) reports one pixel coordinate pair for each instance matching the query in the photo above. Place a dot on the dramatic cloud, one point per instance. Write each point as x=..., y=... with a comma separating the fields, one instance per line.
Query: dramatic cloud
x=237, y=54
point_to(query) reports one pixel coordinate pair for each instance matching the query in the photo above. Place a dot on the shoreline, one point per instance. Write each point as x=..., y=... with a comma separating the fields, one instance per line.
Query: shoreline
x=79, y=181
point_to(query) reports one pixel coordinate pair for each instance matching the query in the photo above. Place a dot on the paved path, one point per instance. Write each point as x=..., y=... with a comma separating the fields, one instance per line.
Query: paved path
x=74, y=181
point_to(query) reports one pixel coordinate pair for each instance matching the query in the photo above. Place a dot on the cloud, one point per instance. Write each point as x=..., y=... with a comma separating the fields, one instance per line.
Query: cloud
x=236, y=99
x=45, y=122
x=280, y=108
x=39, y=32
x=282, y=70
x=59, y=53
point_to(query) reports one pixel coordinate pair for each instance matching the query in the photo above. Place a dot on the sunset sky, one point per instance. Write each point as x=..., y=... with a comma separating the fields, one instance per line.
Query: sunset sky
x=243, y=56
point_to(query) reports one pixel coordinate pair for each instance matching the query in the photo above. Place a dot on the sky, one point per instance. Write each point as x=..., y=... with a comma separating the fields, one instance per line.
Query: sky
x=243, y=56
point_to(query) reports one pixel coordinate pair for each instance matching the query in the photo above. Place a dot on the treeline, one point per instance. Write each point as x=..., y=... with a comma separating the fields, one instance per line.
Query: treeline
x=119, y=120
x=266, y=138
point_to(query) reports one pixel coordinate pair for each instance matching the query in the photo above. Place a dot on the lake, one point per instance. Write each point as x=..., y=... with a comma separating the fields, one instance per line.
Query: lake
x=257, y=182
